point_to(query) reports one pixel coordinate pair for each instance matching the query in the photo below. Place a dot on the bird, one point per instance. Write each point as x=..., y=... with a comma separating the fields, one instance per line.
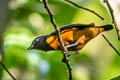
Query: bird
x=74, y=37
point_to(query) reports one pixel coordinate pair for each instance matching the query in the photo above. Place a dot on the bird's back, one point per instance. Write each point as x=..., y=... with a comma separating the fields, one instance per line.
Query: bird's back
x=74, y=34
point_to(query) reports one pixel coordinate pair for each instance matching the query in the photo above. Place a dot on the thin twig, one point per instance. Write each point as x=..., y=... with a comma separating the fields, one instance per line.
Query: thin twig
x=2, y=58
x=78, y=6
x=111, y=44
x=64, y=50
x=7, y=70
x=54, y=24
x=113, y=18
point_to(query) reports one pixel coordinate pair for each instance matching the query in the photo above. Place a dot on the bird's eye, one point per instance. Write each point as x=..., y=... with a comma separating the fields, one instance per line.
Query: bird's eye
x=37, y=40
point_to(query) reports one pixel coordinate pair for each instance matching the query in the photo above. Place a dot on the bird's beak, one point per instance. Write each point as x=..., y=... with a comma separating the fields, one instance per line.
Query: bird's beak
x=31, y=47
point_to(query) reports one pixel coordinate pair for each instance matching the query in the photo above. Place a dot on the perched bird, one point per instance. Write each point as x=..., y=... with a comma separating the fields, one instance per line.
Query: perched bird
x=74, y=37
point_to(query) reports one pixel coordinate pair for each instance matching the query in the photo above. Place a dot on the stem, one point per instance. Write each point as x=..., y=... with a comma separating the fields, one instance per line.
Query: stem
x=64, y=50
x=113, y=18
x=2, y=66
x=111, y=44
x=7, y=70
x=78, y=6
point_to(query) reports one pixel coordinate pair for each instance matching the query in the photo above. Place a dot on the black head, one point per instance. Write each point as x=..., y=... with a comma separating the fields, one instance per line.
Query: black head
x=38, y=43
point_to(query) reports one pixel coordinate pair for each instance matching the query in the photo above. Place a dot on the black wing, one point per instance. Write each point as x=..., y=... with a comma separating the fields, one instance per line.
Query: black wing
x=80, y=26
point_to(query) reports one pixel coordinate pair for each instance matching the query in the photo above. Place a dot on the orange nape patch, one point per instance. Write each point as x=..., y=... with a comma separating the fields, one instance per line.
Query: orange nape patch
x=70, y=36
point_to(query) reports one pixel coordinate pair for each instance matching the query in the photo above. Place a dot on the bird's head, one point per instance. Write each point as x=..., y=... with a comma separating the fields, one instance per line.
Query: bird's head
x=38, y=43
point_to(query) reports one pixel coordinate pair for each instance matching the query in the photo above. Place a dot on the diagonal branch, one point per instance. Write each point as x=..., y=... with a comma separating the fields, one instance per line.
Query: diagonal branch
x=78, y=6
x=54, y=24
x=113, y=18
x=7, y=70
x=64, y=50
x=2, y=66
x=111, y=44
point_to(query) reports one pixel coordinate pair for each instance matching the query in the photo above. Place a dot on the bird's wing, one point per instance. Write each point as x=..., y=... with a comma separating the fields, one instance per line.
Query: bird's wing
x=79, y=26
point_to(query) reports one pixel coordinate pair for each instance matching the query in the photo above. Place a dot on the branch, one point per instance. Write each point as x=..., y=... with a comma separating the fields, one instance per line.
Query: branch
x=64, y=50
x=113, y=18
x=78, y=6
x=3, y=67
x=7, y=70
x=111, y=44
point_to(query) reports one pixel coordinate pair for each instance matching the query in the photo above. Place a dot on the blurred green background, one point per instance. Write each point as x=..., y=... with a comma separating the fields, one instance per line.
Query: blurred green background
x=28, y=19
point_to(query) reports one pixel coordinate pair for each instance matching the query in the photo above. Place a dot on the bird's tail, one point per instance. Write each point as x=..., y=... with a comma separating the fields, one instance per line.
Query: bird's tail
x=107, y=27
